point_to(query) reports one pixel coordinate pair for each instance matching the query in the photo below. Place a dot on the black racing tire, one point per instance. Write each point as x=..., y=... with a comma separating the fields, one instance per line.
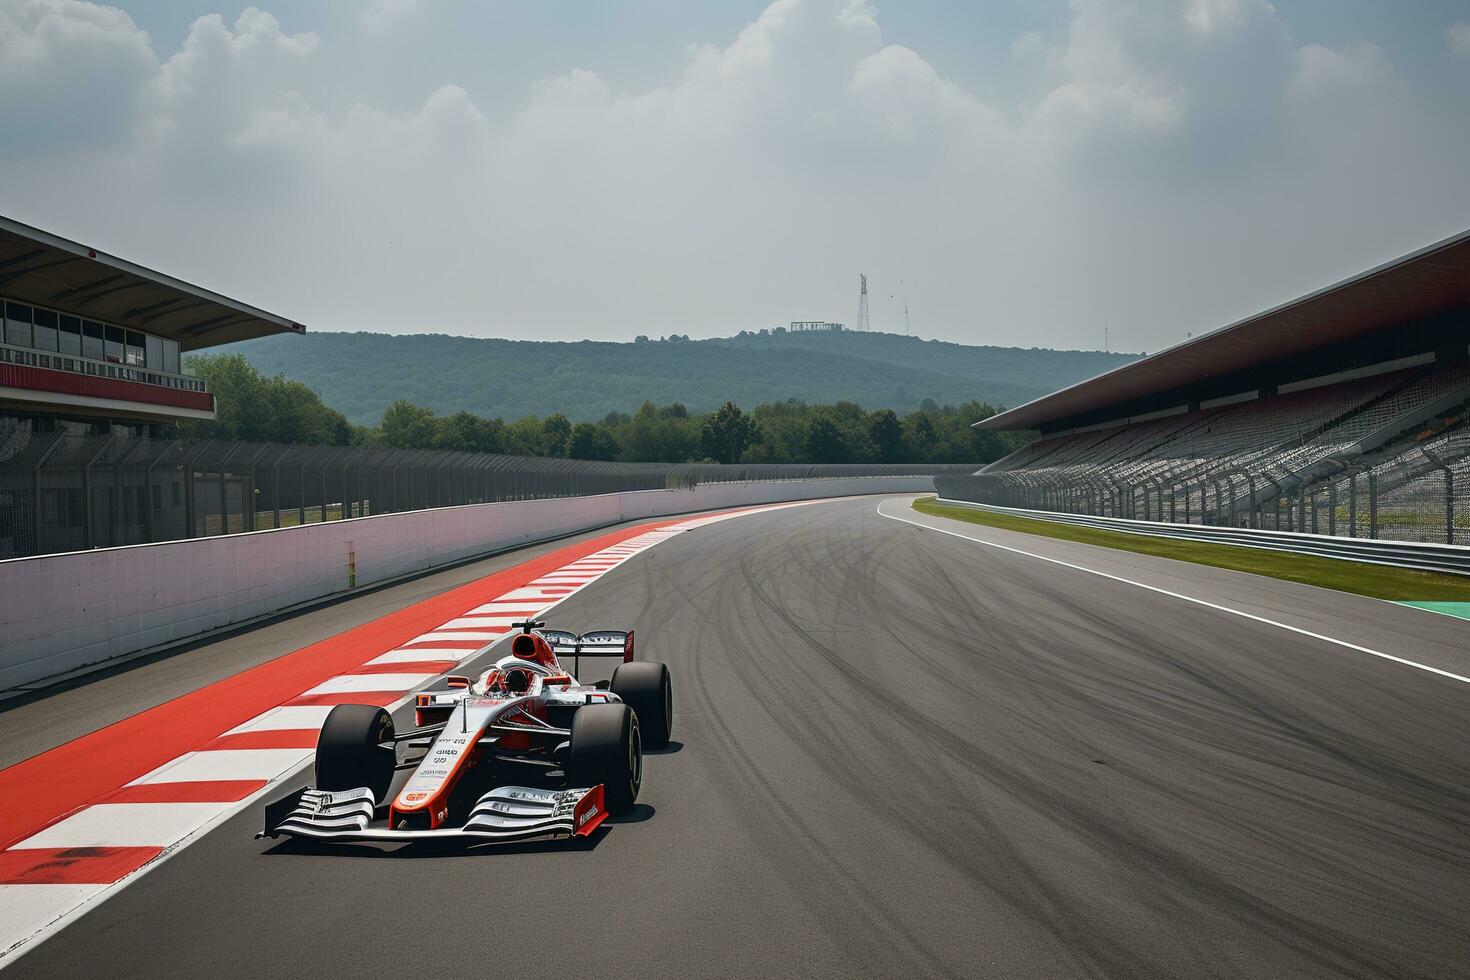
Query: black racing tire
x=355, y=749
x=646, y=688
x=606, y=749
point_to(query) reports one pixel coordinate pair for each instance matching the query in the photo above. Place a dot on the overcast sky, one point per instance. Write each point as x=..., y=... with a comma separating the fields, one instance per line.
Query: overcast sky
x=1031, y=170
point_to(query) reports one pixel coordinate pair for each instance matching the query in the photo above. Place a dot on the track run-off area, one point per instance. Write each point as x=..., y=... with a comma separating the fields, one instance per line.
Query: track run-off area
x=903, y=745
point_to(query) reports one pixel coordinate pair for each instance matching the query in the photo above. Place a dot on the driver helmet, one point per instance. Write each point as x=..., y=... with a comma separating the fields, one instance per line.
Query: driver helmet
x=515, y=680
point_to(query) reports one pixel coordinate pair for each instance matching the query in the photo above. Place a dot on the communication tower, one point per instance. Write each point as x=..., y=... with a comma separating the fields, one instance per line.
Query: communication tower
x=862, y=319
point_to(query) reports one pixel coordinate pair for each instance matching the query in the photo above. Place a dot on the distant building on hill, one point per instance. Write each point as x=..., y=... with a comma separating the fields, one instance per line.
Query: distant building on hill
x=815, y=325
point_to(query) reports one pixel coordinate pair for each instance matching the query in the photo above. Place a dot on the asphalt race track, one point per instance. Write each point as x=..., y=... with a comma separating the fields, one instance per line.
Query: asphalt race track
x=901, y=752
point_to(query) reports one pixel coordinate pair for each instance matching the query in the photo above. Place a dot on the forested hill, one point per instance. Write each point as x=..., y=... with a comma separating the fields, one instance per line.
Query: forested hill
x=361, y=374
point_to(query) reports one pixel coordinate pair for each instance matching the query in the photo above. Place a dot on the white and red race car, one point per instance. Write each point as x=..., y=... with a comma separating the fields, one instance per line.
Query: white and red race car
x=580, y=745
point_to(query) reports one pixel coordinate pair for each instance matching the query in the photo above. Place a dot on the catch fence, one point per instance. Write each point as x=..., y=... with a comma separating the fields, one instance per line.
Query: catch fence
x=61, y=491
x=1416, y=493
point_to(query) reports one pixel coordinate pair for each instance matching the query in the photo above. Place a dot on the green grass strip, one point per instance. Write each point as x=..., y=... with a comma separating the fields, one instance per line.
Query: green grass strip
x=1378, y=581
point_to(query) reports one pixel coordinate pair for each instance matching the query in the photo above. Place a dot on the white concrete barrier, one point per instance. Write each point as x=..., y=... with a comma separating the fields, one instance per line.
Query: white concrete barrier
x=60, y=613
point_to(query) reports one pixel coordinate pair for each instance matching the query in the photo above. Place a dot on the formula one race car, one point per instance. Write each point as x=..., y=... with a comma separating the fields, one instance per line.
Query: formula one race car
x=582, y=744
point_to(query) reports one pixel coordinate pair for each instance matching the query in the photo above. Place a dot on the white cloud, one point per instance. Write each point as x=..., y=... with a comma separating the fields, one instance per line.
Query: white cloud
x=70, y=74
x=1207, y=17
x=1136, y=77
x=228, y=106
x=1359, y=69
x=859, y=14
x=1459, y=38
x=1027, y=45
x=381, y=15
x=908, y=99
x=1179, y=165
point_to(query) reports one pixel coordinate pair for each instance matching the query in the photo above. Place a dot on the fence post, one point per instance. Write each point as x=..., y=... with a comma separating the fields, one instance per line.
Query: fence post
x=148, y=495
x=322, y=474
x=87, y=491
x=224, y=497
x=351, y=493
x=36, y=492
x=247, y=496
x=1353, y=506
x=1332, y=507
x=1372, y=504
x=250, y=491
x=1449, y=505
x=276, y=489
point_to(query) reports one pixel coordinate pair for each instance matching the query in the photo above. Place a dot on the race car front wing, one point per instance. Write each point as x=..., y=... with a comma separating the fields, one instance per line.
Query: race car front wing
x=505, y=815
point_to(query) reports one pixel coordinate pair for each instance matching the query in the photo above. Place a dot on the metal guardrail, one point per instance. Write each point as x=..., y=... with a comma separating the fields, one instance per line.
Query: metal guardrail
x=1452, y=559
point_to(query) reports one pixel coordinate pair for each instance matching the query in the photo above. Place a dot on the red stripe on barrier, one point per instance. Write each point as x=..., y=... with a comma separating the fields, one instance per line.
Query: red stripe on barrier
x=48, y=786
x=202, y=791
x=72, y=865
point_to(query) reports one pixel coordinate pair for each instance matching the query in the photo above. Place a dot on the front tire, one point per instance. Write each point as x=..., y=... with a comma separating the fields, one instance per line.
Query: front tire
x=350, y=751
x=606, y=748
x=646, y=688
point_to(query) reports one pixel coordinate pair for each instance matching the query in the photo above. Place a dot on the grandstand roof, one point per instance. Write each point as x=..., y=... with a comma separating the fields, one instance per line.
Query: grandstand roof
x=1432, y=281
x=48, y=270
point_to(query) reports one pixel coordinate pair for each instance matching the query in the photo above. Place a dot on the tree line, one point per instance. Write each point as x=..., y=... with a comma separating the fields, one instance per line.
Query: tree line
x=257, y=408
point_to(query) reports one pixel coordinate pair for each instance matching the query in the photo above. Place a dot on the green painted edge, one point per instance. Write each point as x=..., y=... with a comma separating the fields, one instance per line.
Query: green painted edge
x=1460, y=610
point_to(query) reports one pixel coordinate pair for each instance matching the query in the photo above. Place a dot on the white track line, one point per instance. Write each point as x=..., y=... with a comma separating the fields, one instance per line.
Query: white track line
x=125, y=825
x=444, y=636
x=36, y=910
x=213, y=765
x=287, y=717
x=485, y=622
x=1187, y=598
x=423, y=655
x=363, y=683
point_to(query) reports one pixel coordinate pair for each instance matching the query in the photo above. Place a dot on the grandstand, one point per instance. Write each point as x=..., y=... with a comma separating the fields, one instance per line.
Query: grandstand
x=1342, y=412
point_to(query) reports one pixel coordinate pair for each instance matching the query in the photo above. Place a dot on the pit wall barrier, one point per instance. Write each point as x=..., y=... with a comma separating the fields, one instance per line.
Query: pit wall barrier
x=67, y=612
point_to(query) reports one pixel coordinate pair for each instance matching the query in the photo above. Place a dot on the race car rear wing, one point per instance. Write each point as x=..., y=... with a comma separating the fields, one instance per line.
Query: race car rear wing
x=594, y=643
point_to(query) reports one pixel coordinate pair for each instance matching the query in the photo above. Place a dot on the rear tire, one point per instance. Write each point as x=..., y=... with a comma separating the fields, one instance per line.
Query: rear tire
x=645, y=687
x=606, y=749
x=350, y=752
